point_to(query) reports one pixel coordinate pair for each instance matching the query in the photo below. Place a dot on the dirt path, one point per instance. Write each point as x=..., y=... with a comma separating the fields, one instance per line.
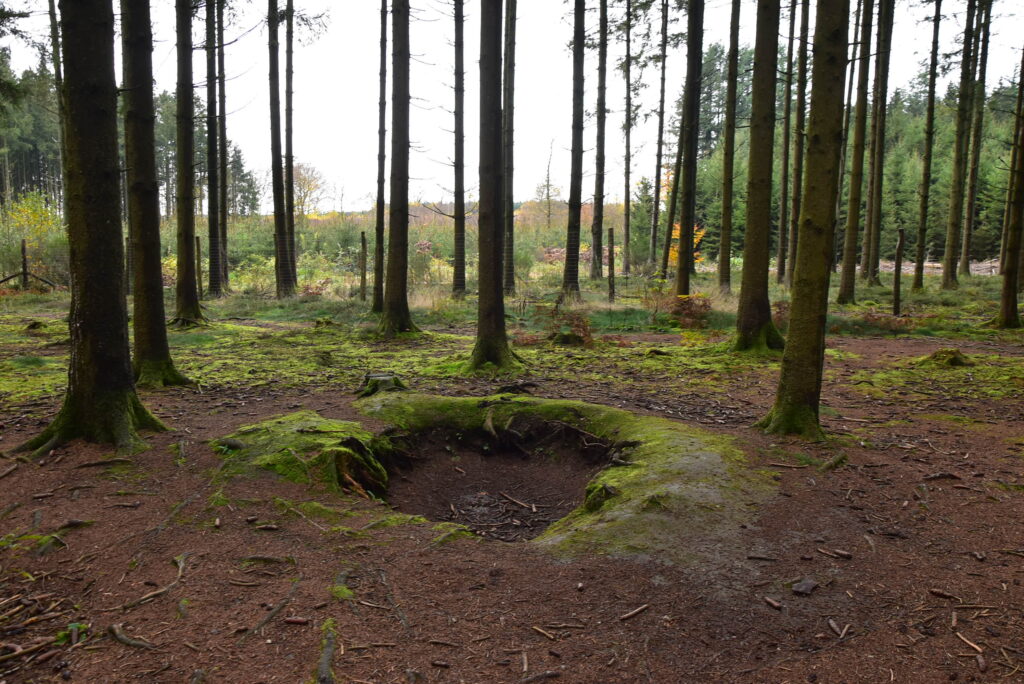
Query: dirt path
x=909, y=555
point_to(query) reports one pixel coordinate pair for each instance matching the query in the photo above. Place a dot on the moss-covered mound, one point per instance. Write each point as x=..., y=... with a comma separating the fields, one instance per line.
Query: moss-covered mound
x=948, y=357
x=673, y=493
x=307, y=448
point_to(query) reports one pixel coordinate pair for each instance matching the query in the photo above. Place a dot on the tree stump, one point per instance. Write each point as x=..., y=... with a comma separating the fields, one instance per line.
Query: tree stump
x=380, y=382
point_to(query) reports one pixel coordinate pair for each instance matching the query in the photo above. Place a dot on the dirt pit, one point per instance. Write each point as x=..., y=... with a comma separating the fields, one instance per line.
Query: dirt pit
x=502, y=491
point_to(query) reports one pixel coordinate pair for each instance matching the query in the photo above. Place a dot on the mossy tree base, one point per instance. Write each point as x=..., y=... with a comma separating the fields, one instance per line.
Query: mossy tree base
x=766, y=338
x=493, y=358
x=157, y=374
x=391, y=326
x=785, y=419
x=114, y=418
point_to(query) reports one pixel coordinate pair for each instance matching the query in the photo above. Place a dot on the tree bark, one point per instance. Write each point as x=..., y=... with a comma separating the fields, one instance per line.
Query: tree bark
x=222, y=139
x=396, y=317
x=754, y=326
x=289, y=130
x=729, y=153
x=508, y=113
x=658, y=171
x=571, y=274
x=873, y=229
x=188, y=311
x=978, y=123
x=627, y=127
x=1015, y=151
x=491, y=351
x=58, y=82
x=1009, y=314
x=782, y=249
x=929, y=148
x=799, y=138
x=377, y=305
x=597, y=227
x=673, y=203
x=956, y=190
x=152, y=365
x=798, y=397
x=282, y=264
x=212, y=149
x=100, y=403
x=690, y=125
x=847, y=120
x=459, y=265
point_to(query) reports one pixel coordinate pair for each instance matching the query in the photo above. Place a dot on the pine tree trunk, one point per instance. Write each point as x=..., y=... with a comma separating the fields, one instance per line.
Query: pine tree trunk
x=847, y=121
x=459, y=265
x=597, y=227
x=729, y=153
x=152, y=365
x=508, y=147
x=1016, y=148
x=627, y=127
x=58, y=82
x=873, y=228
x=377, y=305
x=212, y=148
x=848, y=273
x=282, y=266
x=396, y=317
x=491, y=350
x=222, y=139
x=978, y=116
x=673, y=204
x=690, y=125
x=799, y=139
x=289, y=129
x=186, y=291
x=926, y=163
x=658, y=171
x=956, y=189
x=571, y=275
x=100, y=403
x=754, y=326
x=798, y=397
x=782, y=251
x=1009, y=314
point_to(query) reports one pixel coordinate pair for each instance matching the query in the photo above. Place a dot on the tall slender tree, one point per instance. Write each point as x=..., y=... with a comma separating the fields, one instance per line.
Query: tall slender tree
x=977, y=142
x=571, y=275
x=508, y=112
x=212, y=150
x=1009, y=313
x=491, y=350
x=627, y=127
x=729, y=152
x=396, y=317
x=377, y=305
x=873, y=226
x=58, y=82
x=754, y=326
x=100, y=403
x=847, y=121
x=658, y=171
x=222, y=140
x=151, y=365
x=282, y=265
x=597, y=226
x=782, y=253
x=186, y=288
x=926, y=161
x=799, y=137
x=459, y=210
x=848, y=273
x=956, y=188
x=289, y=134
x=690, y=124
x=673, y=202
x=1017, y=147
x=799, y=393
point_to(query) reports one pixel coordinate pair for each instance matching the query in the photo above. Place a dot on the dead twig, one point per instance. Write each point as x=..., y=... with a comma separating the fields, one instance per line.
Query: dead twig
x=633, y=613
x=276, y=609
x=8, y=471
x=116, y=630
x=178, y=561
x=26, y=651
x=105, y=462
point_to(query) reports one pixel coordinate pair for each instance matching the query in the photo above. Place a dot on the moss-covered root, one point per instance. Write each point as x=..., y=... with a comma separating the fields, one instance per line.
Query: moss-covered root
x=113, y=418
x=157, y=374
x=492, y=357
x=183, y=323
x=789, y=419
x=766, y=338
x=324, y=672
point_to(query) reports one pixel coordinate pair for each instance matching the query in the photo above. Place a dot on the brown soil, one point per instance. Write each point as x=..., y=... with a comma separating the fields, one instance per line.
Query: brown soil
x=913, y=547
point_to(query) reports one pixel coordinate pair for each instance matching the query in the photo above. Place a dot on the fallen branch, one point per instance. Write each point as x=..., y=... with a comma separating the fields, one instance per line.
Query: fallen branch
x=178, y=561
x=324, y=674
x=25, y=651
x=633, y=613
x=105, y=462
x=116, y=630
x=277, y=609
x=541, y=676
x=8, y=471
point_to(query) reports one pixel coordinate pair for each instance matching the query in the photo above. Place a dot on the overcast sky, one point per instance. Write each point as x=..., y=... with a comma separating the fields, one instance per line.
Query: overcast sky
x=336, y=84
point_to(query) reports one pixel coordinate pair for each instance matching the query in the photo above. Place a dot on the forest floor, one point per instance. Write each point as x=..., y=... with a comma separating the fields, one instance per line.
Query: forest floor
x=908, y=556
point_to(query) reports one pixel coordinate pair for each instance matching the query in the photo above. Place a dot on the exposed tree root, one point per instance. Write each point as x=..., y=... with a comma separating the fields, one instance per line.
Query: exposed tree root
x=156, y=374
x=178, y=561
x=116, y=630
x=324, y=673
x=276, y=609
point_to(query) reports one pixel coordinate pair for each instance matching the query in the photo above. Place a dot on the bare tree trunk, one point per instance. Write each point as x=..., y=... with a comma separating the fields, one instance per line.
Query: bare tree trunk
x=956, y=190
x=377, y=305
x=597, y=228
x=571, y=275
x=186, y=292
x=1015, y=150
x=782, y=253
x=58, y=82
x=508, y=147
x=978, y=105
x=799, y=138
x=929, y=147
x=491, y=349
x=459, y=265
x=222, y=139
x=847, y=120
x=729, y=153
x=212, y=148
x=873, y=226
x=673, y=204
x=655, y=215
x=798, y=398
x=754, y=326
x=396, y=317
x=690, y=124
x=282, y=265
x=627, y=127
x=1009, y=314
x=289, y=155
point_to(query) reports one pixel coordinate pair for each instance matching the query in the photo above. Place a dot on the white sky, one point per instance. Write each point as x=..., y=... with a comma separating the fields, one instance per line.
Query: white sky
x=336, y=86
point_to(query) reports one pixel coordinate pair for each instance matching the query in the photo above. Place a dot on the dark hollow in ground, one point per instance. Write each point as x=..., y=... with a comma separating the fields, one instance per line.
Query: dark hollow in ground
x=503, y=490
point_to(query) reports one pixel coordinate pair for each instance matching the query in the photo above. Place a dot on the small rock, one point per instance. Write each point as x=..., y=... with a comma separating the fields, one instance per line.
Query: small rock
x=805, y=586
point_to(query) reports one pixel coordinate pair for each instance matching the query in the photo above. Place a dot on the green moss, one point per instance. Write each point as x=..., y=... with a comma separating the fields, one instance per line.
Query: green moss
x=683, y=485
x=450, y=532
x=993, y=376
x=304, y=447
x=342, y=592
x=218, y=499
x=393, y=520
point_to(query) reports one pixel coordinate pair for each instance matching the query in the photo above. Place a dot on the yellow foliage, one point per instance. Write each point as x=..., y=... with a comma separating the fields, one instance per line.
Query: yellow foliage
x=698, y=237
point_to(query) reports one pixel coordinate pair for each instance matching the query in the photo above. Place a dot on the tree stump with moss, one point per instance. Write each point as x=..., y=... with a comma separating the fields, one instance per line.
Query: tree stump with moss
x=380, y=382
